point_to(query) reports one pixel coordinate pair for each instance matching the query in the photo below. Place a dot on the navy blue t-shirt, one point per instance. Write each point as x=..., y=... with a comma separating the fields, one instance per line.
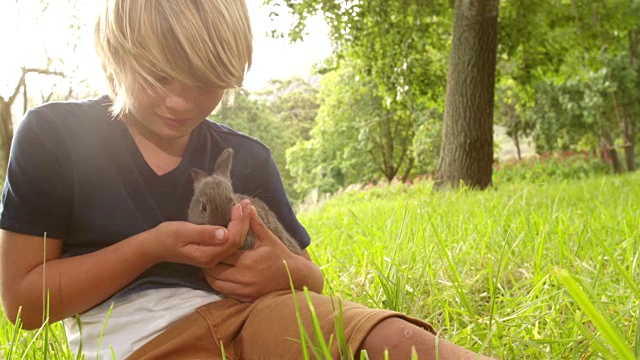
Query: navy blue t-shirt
x=76, y=174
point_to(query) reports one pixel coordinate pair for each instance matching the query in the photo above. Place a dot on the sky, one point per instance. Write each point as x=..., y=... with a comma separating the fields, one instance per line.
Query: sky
x=30, y=39
x=276, y=58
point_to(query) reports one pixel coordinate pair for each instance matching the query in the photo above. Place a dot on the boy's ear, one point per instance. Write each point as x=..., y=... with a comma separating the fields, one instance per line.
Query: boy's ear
x=223, y=164
x=198, y=174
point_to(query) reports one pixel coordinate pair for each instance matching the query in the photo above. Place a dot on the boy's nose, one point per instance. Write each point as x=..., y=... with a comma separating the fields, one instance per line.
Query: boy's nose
x=179, y=97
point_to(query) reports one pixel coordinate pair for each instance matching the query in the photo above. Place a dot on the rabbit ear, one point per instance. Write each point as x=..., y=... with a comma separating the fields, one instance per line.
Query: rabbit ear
x=223, y=164
x=198, y=174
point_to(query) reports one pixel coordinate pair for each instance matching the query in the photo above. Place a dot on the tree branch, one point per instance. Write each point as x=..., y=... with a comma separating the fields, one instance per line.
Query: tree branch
x=21, y=81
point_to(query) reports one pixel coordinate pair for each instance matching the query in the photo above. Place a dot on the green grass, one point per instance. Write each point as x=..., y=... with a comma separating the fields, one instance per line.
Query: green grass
x=48, y=342
x=545, y=271
x=482, y=266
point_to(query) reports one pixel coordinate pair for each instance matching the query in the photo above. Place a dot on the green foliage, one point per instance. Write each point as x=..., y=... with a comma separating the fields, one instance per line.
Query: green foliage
x=566, y=72
x=357, y=138
x=535, y=37
x=511, y=107
x=337, y=153
x=576, y=113
x=564, y=116
x=248, y=116
x=294, y=105
x=550, y=167
x=397, y=52
x=427, y=142
x=294, y=102
x=401, y=45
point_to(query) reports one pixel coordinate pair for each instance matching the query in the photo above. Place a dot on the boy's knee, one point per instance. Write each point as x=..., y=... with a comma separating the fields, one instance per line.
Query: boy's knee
x=396, y=336
x=402, y=339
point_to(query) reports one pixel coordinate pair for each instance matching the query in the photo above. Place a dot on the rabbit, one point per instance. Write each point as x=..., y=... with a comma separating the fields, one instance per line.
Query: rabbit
x=214, y=198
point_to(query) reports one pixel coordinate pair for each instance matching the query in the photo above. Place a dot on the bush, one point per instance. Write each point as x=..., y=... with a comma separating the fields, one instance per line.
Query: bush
x=551, y=166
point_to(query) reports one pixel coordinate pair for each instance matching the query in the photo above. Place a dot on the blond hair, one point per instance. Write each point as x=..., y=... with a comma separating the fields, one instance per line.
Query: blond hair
x=205, y=43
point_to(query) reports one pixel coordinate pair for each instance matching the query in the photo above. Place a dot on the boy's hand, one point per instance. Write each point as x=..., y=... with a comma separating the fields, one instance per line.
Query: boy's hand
x=246, y=275
x=200, y=245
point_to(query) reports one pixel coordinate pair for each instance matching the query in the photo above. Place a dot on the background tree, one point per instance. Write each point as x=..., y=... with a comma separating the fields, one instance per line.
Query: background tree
x=427, y=141
x=337, y=152
x=467, y=140
x=404, y=47
x=356, y=138
x=294, y=105
x=570, y=64
x=398, y=50
x=529, y=51
x=511, y=110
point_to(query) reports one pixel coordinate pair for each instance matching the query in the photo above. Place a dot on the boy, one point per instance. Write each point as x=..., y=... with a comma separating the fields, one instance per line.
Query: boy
x=107, y=180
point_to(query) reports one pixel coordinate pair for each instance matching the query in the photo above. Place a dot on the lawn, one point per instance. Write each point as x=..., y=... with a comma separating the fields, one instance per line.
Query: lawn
x=522, y=271
x=486, y=268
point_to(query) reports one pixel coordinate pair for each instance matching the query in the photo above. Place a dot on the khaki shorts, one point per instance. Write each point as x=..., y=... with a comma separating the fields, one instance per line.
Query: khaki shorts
x=265, y=329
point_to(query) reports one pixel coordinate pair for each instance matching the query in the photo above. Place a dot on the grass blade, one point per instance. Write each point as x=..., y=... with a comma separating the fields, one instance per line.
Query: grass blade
x=104, y=327
x=303, y=333
x=325, y=349
x=636, y=344
x=14, y=337
x=599, y=320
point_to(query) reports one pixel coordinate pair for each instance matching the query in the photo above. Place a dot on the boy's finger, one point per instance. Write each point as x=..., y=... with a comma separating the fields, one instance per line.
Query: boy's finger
x=239, y=225
x=232, y=259
x=260, y=230
x=256, y=224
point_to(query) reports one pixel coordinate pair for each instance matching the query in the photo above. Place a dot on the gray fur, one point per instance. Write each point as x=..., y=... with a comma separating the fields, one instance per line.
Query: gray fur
x=214, y=198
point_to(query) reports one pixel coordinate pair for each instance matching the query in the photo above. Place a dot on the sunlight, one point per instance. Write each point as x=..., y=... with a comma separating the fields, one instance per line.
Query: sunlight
x=32, y=35
x=10, y=61
x=37, y=37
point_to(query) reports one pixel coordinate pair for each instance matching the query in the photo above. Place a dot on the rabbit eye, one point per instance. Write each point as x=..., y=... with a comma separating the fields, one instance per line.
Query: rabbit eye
x=203, y=207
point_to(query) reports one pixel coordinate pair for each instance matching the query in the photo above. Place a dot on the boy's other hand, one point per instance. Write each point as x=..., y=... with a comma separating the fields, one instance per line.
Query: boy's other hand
x=246, y=275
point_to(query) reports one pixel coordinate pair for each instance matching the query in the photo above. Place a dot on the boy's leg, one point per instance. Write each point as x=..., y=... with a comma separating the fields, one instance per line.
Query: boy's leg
x=400, y=338
x=268, y=328
x=373, y=330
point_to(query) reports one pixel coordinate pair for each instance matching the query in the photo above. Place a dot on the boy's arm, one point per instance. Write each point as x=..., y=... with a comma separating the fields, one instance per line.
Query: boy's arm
x=78, y=283
x=74, y=284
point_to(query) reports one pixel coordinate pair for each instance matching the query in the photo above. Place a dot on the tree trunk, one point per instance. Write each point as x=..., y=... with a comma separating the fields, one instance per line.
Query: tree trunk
x=6, y=134
x=633, y=116
x=6, y=119
x=634, y=43
x=629, y=144
x=408, y=169
x=625, y=131
x=630, y=156
x=466, y=155
x=610, y=151
x=516, y=143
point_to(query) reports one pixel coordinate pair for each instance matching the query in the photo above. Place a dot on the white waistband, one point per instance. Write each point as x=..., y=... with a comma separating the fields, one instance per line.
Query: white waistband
x=134, y=320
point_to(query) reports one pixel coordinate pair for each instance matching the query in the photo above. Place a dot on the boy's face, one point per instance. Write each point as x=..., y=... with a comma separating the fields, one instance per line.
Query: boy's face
x=173, y=112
